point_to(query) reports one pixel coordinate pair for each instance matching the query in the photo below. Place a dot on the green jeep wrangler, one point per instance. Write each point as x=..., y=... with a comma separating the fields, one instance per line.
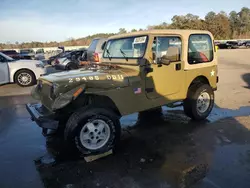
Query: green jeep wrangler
x=140, y=71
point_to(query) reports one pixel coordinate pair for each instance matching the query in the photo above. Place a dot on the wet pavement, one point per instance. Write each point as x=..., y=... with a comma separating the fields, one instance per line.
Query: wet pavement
x=165, y=149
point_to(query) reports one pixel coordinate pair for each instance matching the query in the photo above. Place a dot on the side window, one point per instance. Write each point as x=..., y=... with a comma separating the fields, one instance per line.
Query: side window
x=93, y=45
x=200, y=49
x=171, y=47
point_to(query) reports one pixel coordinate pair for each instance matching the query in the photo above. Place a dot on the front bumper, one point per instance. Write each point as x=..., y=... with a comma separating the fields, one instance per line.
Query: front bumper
x=42, y=116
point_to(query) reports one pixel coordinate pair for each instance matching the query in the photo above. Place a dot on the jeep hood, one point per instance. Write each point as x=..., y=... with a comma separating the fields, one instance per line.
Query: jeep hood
x=94, y=78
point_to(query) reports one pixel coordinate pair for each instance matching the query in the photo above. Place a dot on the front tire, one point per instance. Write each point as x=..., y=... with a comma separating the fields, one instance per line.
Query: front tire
x=199, y=102
x=25, y=78
x=93, y=130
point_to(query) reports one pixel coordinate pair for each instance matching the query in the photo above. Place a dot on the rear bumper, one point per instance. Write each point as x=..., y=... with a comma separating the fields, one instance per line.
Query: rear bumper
x=43, y=117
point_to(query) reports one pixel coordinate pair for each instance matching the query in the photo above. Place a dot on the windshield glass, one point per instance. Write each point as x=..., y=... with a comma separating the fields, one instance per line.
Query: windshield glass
x=131, y=47
x=6, y=57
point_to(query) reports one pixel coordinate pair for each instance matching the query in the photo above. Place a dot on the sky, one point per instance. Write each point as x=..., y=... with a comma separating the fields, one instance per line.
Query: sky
x=59, y=20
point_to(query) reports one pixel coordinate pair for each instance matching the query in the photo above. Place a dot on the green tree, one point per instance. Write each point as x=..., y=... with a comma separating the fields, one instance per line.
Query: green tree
x=122, y=31
x=188, y=21
x=244, y=16
x=218, y=24
x=234, y=24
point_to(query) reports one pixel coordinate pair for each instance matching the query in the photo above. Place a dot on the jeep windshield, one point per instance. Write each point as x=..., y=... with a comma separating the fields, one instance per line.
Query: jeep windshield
x=126, y=48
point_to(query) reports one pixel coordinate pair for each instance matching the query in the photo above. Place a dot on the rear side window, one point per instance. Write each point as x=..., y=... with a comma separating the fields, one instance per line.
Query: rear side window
x=200, y=49
x=93, y=45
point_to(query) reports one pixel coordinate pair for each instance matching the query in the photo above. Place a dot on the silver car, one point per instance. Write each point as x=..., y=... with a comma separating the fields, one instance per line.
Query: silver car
x=70, y=60
x=23, y=72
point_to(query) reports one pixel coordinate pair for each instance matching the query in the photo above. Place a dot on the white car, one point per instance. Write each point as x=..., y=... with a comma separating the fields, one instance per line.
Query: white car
x=23, y=72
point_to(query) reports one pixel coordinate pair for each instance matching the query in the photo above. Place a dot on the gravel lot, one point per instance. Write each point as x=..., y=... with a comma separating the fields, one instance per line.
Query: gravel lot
x=165, y=150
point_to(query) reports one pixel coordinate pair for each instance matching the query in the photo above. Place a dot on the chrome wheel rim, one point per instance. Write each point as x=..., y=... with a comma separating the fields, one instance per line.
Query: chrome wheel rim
x=24, y=78
x=95, y=134
x=203, y=102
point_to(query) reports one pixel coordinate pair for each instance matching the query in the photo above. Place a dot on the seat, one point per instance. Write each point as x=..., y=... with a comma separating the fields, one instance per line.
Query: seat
x=173, y=54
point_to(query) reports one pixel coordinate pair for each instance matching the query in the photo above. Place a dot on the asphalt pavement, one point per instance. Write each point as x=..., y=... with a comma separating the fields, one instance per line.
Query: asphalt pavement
x=164, y=150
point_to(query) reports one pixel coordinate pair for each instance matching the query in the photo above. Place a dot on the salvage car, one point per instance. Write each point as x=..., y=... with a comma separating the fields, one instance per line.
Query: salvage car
x=23, y=72
x=147, y=68
x=59, y=54
x=70, y=61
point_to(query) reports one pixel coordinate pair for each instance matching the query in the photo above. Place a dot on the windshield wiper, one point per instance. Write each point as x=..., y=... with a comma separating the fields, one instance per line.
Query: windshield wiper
x=124, y=55
x=108, y=53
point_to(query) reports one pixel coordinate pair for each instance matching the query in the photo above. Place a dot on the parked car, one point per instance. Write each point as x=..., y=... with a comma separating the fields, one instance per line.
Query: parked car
x=71, y=60
x=246, y=44
x=228, y=45
x=95, y=50
x=27, y=54
x=11, y=53
x=40, y=54
x=23, y=72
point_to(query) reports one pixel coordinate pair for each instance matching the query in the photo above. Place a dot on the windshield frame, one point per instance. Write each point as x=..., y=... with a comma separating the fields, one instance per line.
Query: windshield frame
x=6, y=57
x=104, y=55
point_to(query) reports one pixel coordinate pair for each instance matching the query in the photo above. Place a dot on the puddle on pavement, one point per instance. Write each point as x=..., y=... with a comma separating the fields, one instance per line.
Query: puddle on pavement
x=177, y=115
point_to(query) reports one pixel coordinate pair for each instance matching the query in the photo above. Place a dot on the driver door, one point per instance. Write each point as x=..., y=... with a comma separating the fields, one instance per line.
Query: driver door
x=4, y=71
x=165, y=79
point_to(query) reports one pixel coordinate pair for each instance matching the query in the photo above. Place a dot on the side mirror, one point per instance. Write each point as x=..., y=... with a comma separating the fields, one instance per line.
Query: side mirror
x=164, y=60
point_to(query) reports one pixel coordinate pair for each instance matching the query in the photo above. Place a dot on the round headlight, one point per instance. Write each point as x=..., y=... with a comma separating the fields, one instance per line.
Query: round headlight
x=53, y=91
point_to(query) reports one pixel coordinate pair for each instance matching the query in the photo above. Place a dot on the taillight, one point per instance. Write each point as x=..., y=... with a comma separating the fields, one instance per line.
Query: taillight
x=96, y=57
x=56, y=62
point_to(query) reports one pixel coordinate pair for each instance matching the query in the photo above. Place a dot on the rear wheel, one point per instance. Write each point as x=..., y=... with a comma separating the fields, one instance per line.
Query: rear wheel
x=71, y=66
x=199, y=102
x=93, y=130
x=25, y=78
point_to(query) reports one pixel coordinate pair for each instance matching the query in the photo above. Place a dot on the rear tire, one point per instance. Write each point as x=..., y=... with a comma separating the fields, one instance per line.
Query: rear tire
x=25, y=78
x=199, y=102
x=71, y=66
x=93, y=130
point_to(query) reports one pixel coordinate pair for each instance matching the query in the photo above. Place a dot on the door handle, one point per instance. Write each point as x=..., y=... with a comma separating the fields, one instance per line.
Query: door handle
x=178, y=66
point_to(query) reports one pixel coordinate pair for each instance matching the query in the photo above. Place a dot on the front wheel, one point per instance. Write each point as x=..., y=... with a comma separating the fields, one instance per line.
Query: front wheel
x=93, y=130
x=25, y=78
x=199, y=102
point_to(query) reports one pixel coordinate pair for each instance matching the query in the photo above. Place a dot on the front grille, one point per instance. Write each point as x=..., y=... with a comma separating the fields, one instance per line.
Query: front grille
x=45, y=95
